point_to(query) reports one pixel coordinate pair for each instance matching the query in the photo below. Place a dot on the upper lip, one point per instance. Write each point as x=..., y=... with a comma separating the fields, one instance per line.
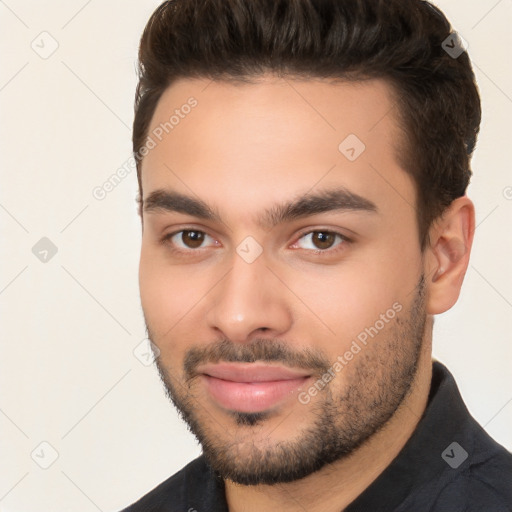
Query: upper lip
x=251, y=372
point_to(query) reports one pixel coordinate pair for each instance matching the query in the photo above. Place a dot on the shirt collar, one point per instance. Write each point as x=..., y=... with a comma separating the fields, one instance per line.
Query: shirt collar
x=444, y=421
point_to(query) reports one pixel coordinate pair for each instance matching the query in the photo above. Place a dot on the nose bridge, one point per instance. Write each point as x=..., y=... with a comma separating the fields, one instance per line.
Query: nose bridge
x=249, y=299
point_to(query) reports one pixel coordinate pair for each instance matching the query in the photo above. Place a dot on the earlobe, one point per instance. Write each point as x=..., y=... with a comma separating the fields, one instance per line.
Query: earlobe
x=451, y=239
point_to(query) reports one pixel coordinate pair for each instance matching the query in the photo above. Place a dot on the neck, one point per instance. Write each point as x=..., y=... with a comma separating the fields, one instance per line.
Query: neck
x=333, y=488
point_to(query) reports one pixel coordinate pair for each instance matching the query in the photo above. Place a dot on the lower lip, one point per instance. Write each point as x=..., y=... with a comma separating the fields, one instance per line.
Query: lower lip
x=251, y=396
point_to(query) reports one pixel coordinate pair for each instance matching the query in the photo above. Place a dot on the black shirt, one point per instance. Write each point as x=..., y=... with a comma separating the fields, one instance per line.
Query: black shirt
x=449, y=464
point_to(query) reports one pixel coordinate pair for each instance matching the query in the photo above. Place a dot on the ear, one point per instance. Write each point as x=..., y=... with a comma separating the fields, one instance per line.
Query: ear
x=447, y=256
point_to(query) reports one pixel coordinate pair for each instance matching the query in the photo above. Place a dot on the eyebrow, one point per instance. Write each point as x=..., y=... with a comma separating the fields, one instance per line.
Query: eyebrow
x=339, y=199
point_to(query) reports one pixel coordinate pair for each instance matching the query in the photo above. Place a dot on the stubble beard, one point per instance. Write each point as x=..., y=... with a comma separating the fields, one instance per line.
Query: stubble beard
x=335, y=424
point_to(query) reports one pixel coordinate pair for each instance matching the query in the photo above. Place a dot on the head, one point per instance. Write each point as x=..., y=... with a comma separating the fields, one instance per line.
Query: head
x=302, y=169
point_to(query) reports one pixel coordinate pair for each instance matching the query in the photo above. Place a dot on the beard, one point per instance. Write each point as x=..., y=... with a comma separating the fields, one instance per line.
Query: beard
x=331, y=426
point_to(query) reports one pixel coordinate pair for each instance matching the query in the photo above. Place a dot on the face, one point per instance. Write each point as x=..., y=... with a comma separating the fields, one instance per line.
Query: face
x=281, y=275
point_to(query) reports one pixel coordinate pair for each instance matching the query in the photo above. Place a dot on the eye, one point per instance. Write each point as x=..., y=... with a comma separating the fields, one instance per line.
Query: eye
x=320, y=240
x=187, y=239
x=192, y=239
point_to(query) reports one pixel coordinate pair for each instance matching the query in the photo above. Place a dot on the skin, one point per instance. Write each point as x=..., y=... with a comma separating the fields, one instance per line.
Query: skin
x=242, y=150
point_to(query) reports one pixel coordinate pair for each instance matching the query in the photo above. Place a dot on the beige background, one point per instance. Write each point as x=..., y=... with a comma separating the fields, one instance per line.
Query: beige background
x=68, y=374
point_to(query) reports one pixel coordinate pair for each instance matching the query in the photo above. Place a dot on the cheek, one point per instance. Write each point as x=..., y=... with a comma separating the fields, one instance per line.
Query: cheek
x=164, y=290
x=344, y=300
x=345, y=303
x=164, y=310
x=173, y=297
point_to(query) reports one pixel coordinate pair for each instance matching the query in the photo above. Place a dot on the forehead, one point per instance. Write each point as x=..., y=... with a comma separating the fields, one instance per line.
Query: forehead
x=257, y=141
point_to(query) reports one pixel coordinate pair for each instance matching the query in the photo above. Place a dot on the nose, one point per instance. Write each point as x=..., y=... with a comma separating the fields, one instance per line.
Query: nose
x=249, y=300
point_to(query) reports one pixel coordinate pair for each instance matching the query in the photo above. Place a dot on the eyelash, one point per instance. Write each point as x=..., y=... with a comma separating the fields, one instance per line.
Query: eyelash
x=166, y=240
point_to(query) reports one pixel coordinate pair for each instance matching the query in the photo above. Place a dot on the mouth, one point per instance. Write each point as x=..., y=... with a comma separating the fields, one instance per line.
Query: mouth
x=251, y=387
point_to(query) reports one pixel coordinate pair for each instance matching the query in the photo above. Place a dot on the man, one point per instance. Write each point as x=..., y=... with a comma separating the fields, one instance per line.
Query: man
x=302, y=171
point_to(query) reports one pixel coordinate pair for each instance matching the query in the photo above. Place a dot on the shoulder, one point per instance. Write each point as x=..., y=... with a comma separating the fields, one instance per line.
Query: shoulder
x=172, y=494
x=483, y=485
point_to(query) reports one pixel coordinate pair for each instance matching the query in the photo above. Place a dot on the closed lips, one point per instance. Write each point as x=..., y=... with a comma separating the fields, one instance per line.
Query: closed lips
x=251, y=372
x=250, y=387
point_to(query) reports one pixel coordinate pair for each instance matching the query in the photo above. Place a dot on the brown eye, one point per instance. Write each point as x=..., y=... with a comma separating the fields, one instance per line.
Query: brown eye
x=323, y=239
x=192, y=239
x=189, y=241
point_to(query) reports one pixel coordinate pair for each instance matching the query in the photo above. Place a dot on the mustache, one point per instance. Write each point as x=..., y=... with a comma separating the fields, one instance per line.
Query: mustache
x=263, y=350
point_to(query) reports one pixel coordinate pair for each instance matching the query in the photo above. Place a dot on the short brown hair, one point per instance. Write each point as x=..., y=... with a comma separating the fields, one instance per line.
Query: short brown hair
x=400, y=41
